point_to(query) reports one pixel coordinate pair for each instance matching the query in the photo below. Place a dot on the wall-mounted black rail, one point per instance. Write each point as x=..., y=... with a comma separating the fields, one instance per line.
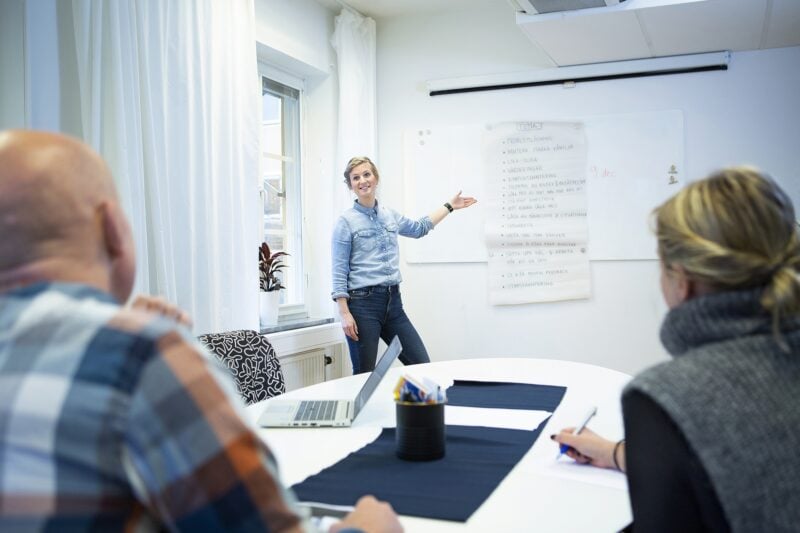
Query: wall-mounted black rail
x=601, y=77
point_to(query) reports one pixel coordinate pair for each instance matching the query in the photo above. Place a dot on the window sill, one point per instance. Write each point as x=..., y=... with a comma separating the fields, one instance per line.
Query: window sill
x=290, y=325
x=298, y=336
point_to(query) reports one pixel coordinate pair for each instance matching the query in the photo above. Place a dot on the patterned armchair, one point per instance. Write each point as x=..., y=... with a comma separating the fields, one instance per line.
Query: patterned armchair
x=251, y=359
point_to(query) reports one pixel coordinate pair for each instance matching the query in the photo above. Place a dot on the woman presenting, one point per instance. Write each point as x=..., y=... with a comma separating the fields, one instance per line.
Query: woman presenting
x=366, y=268
x=712, y=437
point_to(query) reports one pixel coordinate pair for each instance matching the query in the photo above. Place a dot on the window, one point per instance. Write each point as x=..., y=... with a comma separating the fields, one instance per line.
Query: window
x=280, y=182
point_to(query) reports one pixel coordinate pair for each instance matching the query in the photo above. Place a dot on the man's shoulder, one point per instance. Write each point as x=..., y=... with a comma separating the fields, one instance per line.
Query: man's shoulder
x=148, y=336
x=55, y=309
x=79, y=319
x=77, y=335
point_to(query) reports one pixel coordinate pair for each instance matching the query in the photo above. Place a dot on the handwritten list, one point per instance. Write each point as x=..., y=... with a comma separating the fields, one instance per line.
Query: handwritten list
x=536, y=229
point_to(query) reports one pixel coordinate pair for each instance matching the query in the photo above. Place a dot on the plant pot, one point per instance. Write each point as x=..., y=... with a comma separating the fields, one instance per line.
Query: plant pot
x=268, y=302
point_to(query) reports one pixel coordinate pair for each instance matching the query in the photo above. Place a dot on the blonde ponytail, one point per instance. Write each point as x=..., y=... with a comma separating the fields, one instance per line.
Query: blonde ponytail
x=781, y=296
x=735, y=230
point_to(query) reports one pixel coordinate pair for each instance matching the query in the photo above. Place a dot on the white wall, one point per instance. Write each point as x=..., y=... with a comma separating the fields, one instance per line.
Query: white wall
x=298, y=29
x=749, y=114
x=294, y=35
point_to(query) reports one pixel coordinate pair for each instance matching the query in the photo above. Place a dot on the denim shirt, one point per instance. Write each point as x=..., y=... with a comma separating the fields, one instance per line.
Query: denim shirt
x=365, y=251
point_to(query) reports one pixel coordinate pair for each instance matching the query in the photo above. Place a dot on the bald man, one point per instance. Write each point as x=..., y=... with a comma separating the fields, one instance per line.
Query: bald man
x=112, y=418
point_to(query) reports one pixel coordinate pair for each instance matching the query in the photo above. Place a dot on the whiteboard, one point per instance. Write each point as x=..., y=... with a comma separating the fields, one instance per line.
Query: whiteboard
x=635, y=161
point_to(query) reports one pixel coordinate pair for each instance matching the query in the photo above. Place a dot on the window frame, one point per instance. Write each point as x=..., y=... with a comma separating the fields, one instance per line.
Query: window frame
x=298, y=309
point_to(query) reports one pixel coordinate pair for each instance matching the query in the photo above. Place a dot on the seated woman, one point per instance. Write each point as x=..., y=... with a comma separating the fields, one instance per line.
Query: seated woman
x=713, y=436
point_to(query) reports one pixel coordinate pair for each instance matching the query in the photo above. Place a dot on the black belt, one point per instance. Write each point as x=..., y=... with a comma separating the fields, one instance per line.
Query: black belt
x=392, y=289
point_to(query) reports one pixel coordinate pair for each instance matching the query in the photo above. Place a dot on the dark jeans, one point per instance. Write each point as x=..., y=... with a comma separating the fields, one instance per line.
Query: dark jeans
x=378, y=312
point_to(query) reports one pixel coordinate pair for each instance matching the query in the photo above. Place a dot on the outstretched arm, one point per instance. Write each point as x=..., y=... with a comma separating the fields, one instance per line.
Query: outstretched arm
x=457, y=202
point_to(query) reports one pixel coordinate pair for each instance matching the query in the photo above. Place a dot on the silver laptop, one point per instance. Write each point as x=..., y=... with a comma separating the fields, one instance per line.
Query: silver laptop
x=327, y=413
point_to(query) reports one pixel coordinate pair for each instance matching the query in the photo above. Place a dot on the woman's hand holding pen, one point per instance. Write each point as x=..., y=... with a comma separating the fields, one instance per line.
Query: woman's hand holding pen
x=590, y=448
x=460, y=202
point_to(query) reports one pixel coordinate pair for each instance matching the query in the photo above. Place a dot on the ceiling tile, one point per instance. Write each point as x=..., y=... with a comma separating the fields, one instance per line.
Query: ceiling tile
x=783, y=26
x=578, y=39
x=704, y=26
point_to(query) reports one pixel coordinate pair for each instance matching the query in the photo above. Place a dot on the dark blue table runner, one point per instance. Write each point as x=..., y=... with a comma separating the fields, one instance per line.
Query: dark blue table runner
x=505, y=395
x=452, y=488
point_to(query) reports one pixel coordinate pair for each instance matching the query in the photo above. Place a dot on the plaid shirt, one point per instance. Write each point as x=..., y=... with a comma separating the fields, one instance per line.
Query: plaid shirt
x=112, y=419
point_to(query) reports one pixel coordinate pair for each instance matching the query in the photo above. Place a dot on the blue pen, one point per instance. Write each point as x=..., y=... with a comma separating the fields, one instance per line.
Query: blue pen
x=563, y=448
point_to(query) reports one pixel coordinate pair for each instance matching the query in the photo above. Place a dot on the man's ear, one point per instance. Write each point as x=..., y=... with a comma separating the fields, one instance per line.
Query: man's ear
x=112, y=227
x=119, y=249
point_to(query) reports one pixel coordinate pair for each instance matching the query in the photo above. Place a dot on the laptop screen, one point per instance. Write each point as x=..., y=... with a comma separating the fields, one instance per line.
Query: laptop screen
x=376, y=376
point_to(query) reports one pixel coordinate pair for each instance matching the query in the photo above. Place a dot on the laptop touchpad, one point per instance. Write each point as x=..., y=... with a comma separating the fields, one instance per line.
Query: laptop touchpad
x=281, y=408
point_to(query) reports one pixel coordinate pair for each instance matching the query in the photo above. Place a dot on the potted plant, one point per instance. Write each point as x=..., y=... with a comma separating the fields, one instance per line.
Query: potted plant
x=269, y=266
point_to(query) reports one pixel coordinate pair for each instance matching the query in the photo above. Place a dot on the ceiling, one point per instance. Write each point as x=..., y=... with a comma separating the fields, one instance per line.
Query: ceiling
x=378, y=9
x=656, y=28
x=632, y=29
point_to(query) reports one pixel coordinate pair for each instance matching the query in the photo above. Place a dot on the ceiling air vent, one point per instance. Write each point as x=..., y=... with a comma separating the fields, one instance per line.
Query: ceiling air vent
x=536, y=7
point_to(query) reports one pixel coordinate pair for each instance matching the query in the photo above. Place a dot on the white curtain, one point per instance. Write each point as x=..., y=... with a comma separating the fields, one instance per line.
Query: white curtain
x=170, y=98
x=354, y=42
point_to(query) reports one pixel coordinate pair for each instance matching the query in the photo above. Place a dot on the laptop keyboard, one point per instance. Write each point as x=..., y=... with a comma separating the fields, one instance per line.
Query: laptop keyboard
x=316, y=410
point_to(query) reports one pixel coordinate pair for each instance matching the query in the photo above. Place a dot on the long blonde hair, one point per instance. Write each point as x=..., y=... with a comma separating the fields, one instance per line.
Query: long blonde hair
x=735, y=229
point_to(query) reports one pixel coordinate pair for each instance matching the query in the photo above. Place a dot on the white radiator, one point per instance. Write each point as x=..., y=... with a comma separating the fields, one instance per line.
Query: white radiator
x=303, y=369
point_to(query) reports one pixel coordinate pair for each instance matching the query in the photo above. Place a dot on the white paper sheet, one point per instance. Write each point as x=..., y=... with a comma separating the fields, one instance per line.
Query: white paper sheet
x=566, y=468
x=495, y=418
x=536, y=232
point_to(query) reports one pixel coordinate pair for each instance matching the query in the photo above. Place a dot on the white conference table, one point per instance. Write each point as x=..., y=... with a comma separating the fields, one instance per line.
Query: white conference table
x=538, y=494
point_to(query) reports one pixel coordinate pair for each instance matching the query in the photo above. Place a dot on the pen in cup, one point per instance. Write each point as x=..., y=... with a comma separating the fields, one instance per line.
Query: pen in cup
x=563, y=448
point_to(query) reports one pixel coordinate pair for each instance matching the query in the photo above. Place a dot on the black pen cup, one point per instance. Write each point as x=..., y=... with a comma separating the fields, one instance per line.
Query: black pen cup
x=419, y=435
